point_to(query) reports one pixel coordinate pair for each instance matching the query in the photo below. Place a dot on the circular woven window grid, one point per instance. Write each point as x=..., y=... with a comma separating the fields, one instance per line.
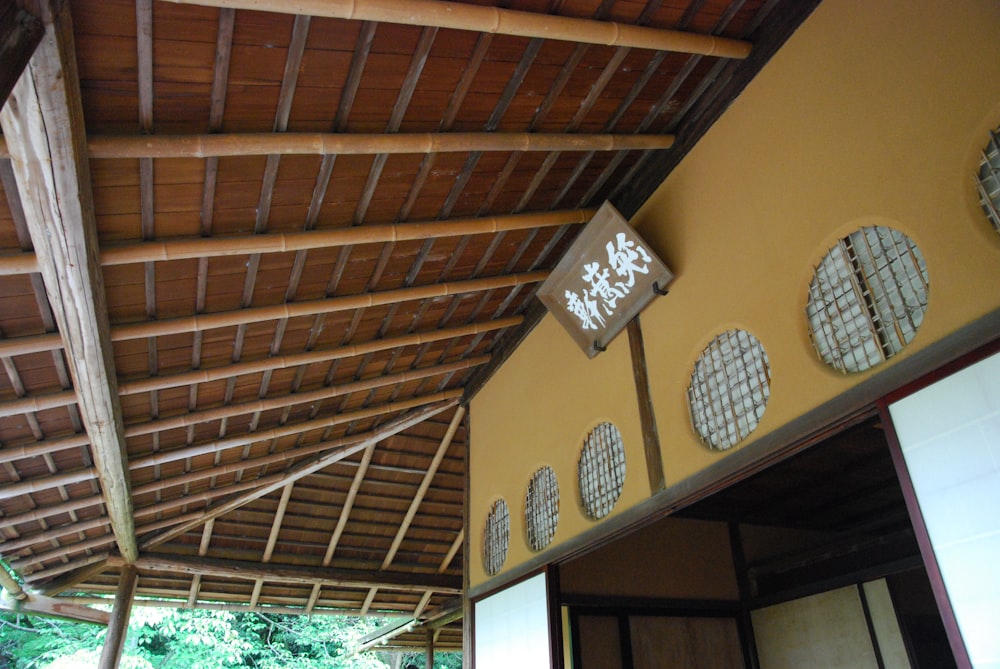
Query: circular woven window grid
x=729, y=389
x=541, y=508
x=601, y=470
x=496, y=537
x=867, y=298
x=988, y=179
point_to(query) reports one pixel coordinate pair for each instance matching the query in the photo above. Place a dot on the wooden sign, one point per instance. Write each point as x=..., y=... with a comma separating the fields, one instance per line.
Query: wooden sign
x=605, y=278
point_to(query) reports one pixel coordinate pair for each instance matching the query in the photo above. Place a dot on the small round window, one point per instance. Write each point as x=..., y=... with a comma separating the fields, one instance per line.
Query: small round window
x=988, y=179
x=867, y=298
x=729, y=389
x=496, y=537
x=601, y=470
x=542, y=508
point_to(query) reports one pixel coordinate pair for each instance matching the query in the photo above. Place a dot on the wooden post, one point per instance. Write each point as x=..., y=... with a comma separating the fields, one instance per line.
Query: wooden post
x=650, y=434
x=118, y=625
x=429, y=662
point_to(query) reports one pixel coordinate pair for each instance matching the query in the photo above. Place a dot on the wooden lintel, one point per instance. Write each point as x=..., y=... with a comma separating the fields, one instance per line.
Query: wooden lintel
x=43, y=125
x=325, y=576
x=496, y=20
x=20, y=35
x=54, y=607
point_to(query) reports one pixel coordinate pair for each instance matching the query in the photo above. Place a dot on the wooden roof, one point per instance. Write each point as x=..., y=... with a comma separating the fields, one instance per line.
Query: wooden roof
x=316, y=237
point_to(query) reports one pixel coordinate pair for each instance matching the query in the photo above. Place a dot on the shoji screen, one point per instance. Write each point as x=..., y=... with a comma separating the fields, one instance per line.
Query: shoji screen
x=512, y=627
x=949, y=433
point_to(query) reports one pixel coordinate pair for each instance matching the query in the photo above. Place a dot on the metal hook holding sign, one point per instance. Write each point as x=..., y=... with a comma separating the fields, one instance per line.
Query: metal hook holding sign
x=659, y=291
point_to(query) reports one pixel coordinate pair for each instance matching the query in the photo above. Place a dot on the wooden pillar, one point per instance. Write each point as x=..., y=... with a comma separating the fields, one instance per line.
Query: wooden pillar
x=118, y=625
x=650, y=434
x=429, y=661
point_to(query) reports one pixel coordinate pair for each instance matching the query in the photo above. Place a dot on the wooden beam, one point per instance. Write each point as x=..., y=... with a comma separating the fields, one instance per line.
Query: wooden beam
x=20, y=35
x=53, y=607
x=43, y=125
x=424, y=485
x=325, y=144
x=297, y=574
x=498, y=21
x=114, y=642
x=304, y=469
x=647, y=417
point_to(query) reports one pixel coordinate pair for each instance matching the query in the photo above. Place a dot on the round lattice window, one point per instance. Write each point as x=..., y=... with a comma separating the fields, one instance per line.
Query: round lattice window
x=601, y=470
x=729, y=389
x=541, y=508
x=867, y=298
x=496, y=537
x=988, y=179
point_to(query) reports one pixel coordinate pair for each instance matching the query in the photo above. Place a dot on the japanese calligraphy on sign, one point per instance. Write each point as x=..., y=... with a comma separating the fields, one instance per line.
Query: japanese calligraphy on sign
x=605, y=278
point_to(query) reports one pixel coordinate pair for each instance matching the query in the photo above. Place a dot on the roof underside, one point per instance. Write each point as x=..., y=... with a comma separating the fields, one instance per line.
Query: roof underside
x=300, y=445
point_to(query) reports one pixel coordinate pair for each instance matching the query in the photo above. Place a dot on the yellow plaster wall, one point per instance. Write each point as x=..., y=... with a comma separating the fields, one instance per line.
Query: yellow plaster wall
x=872, y=113
x=537, y=411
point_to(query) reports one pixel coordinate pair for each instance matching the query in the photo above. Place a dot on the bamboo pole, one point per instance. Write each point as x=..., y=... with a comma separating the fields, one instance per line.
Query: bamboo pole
x=323, y=144
x=326, y=144
x=424, y=485
x=34, y=403
x=329, y=448
x=233, y=442
x=306, y=468
x=291, y=399
x=184, y=325
x=31, y=344
x=28, y=486
x=289, y=310
x=214, y=247
x=498, y=21
x=148, y=384
x=310, y=357
x=37, y=448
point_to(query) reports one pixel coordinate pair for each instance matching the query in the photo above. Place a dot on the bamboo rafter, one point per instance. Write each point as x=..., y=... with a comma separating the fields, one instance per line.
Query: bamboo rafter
x=151, y=383
x=213, y=247
x=198, y=322
x=498, y=21
x=326, y=144
x=161, y=457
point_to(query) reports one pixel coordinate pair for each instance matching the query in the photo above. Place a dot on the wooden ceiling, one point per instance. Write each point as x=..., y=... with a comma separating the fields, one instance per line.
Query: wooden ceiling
x=252, y=264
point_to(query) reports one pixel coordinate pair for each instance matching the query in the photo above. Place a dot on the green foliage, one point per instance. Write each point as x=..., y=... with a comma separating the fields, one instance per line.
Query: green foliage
x=447, y=660
x=28, y=642
x=161, y=638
